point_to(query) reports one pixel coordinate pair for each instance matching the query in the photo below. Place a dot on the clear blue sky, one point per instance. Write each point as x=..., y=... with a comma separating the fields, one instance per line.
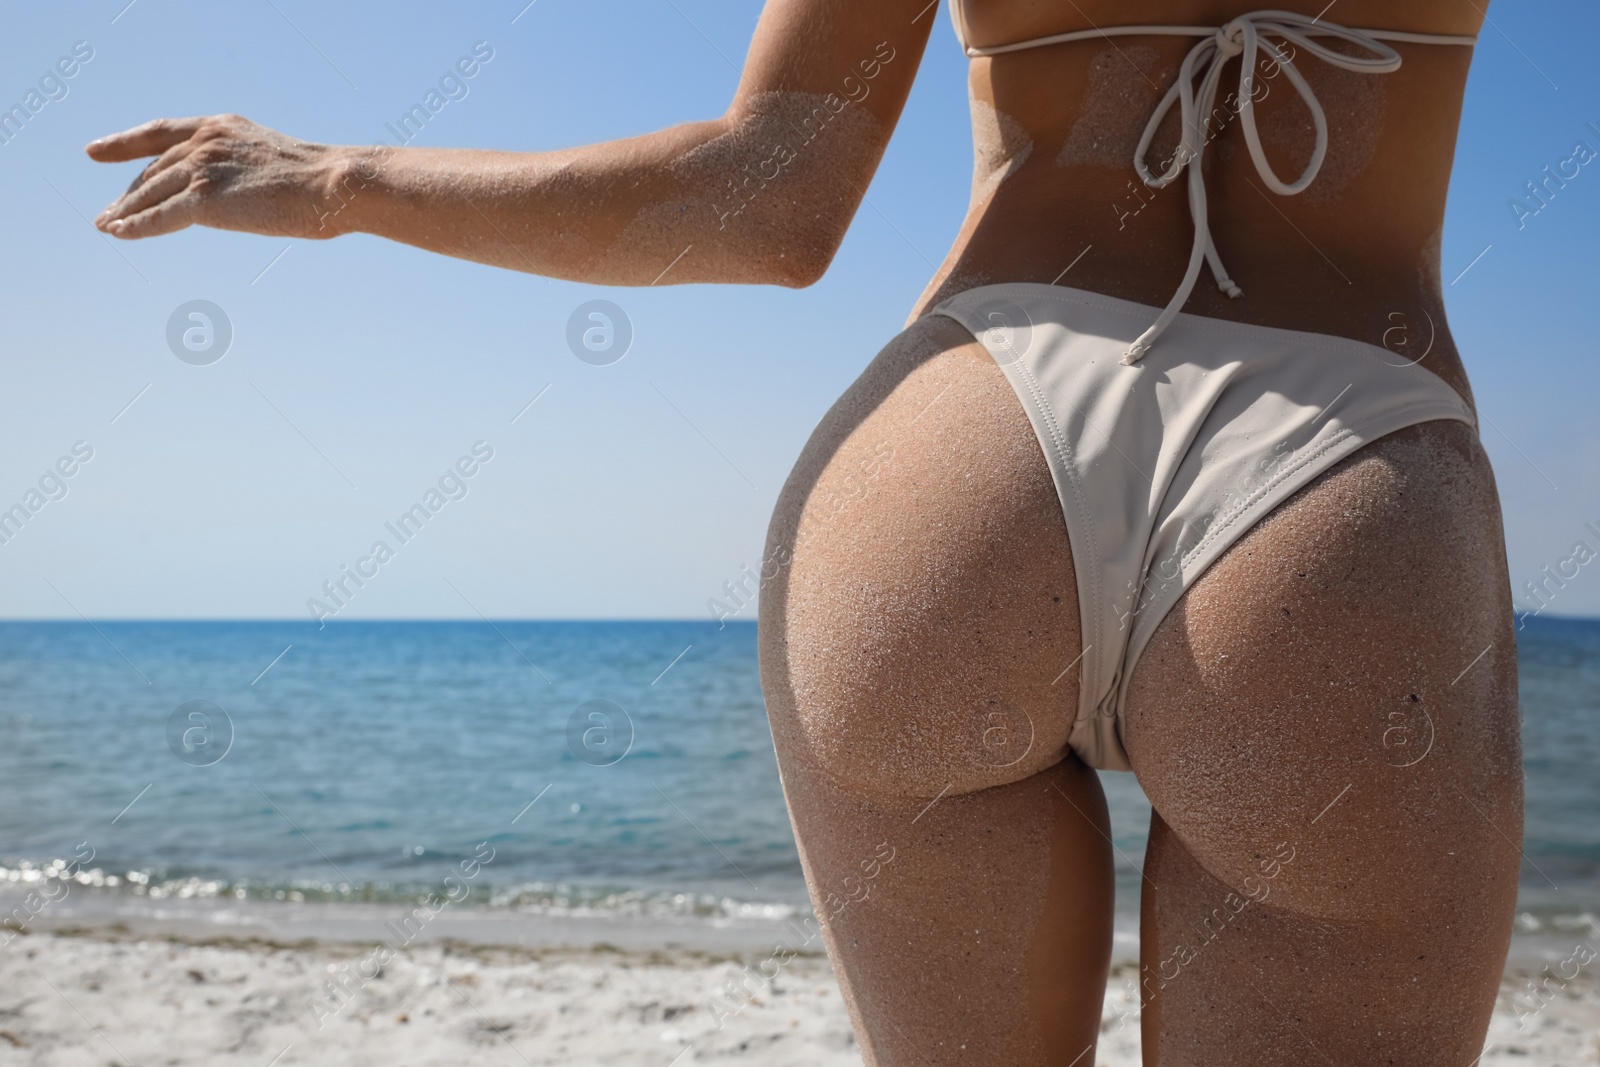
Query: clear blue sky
x=634, y=489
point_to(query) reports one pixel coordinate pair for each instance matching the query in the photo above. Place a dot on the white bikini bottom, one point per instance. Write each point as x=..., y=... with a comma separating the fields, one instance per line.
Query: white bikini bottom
x=1161, y=466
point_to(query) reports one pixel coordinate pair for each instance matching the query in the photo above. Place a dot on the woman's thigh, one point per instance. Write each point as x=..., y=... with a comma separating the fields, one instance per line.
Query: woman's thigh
x=1327, y=727
x=918, y=614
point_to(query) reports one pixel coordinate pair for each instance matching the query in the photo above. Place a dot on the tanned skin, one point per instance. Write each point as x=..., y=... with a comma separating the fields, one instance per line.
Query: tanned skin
x=1312, y=890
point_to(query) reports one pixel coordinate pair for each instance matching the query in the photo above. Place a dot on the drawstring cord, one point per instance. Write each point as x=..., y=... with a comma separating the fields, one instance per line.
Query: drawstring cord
x=1243, y=37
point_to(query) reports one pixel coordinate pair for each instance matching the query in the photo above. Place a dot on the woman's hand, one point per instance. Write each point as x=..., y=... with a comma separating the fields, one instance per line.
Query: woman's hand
x=223, y=171
x=762, y=194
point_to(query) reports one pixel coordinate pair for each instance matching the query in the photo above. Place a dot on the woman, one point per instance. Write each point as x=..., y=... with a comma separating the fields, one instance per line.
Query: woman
x=1251, y=552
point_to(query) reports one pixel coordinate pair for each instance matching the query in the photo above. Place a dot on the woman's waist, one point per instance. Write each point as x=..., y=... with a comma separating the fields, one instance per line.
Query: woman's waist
x=1381, y=302
x=1359, y=283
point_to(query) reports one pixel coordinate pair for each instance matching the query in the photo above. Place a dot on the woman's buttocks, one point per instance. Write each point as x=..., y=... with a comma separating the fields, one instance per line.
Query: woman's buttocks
x=919, y=600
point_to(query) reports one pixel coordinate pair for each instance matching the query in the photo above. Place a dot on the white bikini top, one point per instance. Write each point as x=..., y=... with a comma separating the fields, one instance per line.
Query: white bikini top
x=1243, y=36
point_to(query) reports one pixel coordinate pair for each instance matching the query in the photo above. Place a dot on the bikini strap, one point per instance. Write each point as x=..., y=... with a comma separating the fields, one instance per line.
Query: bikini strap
x=958, y=19
x=1244, y=37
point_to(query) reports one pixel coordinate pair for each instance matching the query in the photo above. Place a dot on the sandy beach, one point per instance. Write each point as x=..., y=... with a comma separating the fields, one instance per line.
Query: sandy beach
x=113, y=994
x=238, y=913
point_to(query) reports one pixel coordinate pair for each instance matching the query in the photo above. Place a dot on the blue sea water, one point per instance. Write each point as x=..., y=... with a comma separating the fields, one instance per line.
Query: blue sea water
x=623, y=766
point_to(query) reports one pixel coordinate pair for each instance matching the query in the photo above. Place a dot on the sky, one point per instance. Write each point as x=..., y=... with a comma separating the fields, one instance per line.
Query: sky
x=359, y=372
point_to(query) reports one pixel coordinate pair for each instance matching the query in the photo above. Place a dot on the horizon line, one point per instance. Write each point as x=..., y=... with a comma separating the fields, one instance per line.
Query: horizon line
x=1520, y=616
x=84, y=621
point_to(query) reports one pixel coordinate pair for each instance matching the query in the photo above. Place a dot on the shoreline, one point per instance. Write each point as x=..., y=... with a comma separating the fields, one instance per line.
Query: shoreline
x=205, y=919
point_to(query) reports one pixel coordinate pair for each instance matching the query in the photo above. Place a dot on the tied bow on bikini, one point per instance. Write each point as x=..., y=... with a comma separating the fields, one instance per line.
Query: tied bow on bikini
x=1247, y=38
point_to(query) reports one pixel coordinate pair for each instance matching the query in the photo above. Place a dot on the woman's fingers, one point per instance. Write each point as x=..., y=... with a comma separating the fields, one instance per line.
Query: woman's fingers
x=147, y=139
x=168, y=216
x=181, y=150
x=167, y=184
x=223, y=171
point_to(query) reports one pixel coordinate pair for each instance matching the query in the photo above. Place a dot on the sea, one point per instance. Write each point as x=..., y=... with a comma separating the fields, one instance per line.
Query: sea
x=580, y=769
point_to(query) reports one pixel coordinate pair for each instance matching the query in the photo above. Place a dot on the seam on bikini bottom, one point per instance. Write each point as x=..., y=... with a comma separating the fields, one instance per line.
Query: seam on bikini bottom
x=1400, y=419
x=1223, y=525
x=1430, y=410
x=1129, y=663
x=1064, y=454
x=1070, y=468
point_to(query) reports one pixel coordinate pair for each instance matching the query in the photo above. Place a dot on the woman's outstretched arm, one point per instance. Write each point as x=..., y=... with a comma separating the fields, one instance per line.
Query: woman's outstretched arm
x=762, y=194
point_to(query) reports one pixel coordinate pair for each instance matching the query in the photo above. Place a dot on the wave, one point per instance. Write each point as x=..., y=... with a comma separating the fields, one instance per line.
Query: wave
x=50, y=878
